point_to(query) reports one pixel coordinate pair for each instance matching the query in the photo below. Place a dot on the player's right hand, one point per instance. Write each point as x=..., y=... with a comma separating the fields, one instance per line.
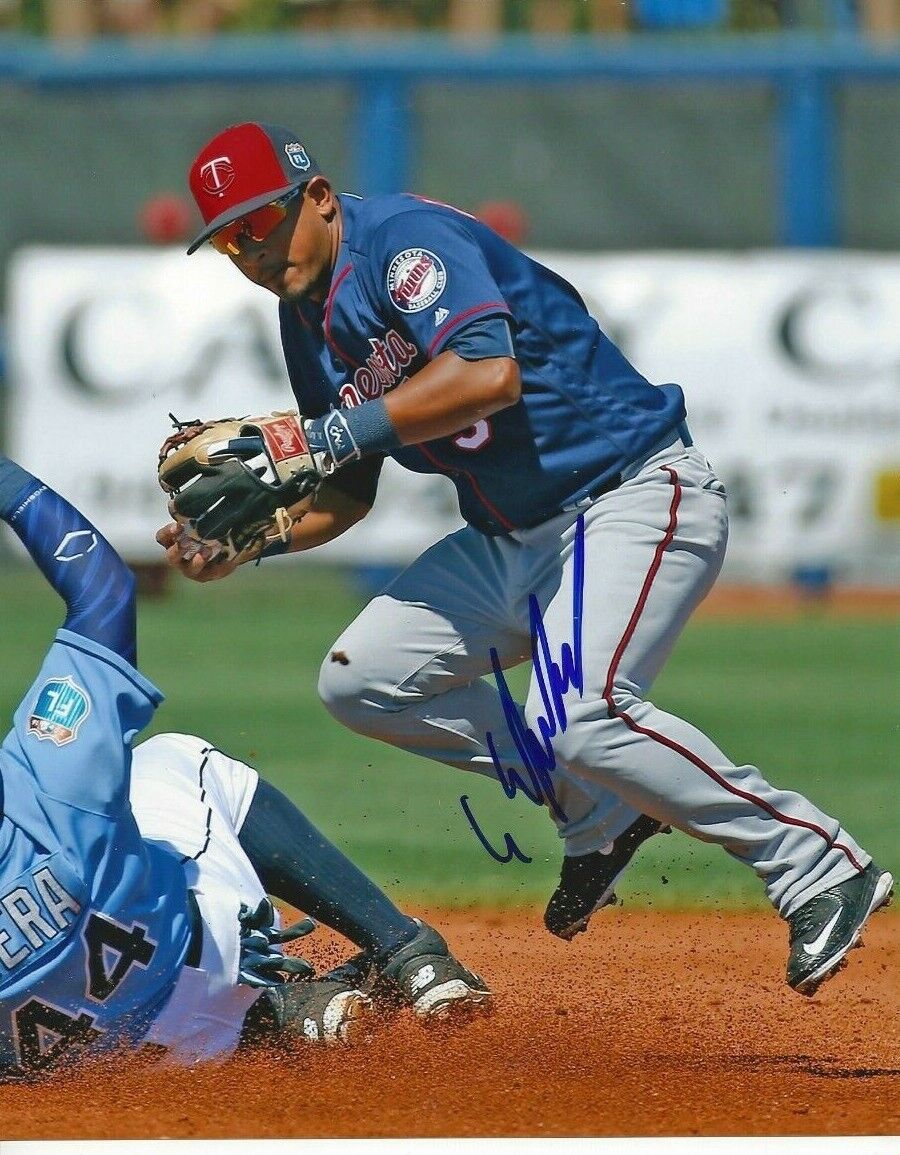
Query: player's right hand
x=196, y=565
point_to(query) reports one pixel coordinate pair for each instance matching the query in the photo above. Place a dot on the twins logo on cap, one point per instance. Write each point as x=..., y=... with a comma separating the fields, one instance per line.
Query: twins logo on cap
x=415, y=280
x=217, y=175
x=243, y=168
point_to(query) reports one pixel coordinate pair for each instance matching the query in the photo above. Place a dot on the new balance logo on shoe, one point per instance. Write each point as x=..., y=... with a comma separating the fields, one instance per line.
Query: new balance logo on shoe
x=421, y=979
x=431, y=981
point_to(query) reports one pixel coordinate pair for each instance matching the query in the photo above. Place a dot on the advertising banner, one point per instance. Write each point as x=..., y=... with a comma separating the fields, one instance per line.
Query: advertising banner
x=790, y=363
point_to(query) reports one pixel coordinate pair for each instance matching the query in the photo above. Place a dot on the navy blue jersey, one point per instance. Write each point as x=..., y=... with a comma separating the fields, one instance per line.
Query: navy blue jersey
x=94, y=925
x=409, y=276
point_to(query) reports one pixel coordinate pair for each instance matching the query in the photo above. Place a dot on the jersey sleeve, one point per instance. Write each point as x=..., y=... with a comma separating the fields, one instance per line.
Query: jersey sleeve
x=432, y=276
x=484, y=337
x=74, y=728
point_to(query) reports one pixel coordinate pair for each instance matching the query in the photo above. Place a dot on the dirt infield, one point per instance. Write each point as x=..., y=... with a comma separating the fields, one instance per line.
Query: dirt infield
x=649, y=1025
x=729, y=600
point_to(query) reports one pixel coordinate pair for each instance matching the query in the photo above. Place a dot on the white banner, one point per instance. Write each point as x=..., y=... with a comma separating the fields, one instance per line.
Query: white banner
x=105, y=343
x=790, y=363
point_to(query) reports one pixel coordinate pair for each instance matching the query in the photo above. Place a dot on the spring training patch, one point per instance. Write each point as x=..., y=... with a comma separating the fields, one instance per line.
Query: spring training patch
x=297, y=155
x=60, y=709
x=415, y=280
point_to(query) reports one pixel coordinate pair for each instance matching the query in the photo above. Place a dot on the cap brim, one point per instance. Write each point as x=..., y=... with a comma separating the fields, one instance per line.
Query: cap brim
x=241, y=210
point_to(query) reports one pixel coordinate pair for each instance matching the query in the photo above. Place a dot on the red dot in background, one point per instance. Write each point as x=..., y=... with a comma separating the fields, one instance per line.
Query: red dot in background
x=506, y=218
x=165, y=219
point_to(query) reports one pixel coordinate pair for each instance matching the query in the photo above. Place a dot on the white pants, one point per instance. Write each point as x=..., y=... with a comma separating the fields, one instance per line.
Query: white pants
x=191, y=799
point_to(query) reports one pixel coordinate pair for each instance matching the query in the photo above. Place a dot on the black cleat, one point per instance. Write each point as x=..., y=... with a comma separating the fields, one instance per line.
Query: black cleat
x=431, y=981
x=587, y=881
x=421, y=974
x=318, y=1010
x=355, y=972
x=824, y=929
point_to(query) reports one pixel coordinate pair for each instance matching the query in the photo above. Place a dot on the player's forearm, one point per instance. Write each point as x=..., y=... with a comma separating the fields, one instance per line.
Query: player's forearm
x=332, y=514
x=450, y=394
x=83, y=568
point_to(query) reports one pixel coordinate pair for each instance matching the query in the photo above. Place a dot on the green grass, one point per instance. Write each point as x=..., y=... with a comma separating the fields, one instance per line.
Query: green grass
x=812, y=702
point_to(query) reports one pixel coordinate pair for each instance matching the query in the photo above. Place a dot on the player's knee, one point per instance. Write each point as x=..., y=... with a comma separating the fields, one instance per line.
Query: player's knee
x=360, y=698
x=342, y=692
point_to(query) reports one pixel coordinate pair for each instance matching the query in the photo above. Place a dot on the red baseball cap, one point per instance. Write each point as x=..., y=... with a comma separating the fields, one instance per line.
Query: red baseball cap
x=243, y=168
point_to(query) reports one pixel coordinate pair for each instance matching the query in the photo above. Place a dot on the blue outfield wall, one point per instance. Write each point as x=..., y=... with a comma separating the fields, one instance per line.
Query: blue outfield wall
x=805, y=74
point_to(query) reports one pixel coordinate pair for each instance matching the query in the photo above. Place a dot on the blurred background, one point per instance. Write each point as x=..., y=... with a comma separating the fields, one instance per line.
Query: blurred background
x=721, y=181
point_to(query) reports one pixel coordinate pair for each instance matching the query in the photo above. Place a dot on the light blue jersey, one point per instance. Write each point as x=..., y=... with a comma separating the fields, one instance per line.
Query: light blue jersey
x=94, y=922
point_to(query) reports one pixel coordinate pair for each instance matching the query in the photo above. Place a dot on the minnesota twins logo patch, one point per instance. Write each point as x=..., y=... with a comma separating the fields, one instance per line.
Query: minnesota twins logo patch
x=415, y=280
x=60, y=709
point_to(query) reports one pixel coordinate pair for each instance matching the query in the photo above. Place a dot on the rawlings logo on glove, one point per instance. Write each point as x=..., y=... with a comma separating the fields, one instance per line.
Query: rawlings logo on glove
x=236, y=484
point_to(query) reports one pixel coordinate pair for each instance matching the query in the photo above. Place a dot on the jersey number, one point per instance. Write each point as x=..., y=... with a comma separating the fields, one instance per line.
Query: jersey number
x=37, y=1021
x=475, y=437
x=131, y=946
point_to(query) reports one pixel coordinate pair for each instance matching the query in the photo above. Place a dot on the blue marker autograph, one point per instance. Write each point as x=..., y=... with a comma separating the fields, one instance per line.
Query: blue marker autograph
x=553, y=680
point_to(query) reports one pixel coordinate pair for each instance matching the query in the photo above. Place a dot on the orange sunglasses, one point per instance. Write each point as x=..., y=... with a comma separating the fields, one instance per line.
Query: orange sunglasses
x=255, y=226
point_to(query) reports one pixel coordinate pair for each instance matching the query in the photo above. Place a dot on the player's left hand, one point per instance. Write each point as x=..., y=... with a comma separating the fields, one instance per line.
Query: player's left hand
x=195, y=560
x=234, y=486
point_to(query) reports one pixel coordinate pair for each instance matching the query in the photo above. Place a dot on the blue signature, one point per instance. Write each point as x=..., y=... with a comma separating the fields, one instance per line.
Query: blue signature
x=553, y=680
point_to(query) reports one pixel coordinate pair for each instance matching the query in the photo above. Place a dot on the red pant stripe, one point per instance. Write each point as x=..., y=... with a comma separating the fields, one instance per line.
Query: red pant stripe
x=615, y=712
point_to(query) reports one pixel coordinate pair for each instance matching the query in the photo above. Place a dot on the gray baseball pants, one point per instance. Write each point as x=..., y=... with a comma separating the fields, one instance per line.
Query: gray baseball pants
x=652, y=549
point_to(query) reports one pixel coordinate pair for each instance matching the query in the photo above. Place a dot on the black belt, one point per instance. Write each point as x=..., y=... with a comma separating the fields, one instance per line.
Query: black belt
x=195, y=943
x=611, y=483
x=607, y=486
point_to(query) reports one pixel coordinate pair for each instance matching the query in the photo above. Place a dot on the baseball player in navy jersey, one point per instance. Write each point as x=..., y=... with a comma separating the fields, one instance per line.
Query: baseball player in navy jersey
x=594, y=528
x=133, y=908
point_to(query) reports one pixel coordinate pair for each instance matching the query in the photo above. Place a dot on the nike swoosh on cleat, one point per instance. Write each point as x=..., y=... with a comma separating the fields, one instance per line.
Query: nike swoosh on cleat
x=818, y=944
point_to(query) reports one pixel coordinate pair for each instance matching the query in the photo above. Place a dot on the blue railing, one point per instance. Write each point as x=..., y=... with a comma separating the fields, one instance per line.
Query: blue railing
x=804, y=71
